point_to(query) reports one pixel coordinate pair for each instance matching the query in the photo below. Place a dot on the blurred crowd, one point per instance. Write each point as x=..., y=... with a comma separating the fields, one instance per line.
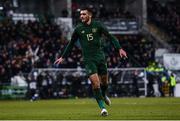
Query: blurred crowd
x=167, y=17
x=56, y=84
x=35, y=45
x=25, y=46
x=140, y=50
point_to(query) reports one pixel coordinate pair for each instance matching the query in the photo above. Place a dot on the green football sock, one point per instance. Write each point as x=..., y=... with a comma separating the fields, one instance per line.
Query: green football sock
x=99, y=98
x=104, y=89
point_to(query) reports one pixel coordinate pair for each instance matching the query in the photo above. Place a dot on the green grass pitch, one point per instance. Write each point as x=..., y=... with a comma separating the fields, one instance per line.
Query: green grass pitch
x=87, y=109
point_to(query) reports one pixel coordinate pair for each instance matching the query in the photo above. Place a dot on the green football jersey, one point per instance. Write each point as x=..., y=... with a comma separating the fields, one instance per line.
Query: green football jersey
x=89, y=37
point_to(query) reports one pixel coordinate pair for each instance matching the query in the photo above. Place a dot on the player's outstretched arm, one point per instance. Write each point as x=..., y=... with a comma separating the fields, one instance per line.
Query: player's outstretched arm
x=115, y=42
x=67, y=49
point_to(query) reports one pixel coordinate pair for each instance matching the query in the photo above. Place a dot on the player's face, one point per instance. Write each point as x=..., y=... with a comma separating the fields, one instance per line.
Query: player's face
x=84, y=16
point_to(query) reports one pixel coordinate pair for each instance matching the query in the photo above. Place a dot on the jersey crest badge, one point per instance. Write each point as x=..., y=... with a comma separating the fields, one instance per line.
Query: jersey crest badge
x=82, y=31
x=94, y=30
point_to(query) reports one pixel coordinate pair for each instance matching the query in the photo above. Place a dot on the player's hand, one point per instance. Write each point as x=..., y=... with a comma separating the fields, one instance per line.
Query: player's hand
x=58, y=61
x=122, y=53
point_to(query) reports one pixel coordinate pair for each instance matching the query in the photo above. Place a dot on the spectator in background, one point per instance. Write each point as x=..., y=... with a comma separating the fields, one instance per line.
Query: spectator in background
x=32, y=88
x=135, y=83
x=150, y=77
x=172, y=84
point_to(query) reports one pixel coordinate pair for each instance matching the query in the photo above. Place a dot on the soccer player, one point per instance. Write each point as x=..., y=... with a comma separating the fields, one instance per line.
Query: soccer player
x=89, y=33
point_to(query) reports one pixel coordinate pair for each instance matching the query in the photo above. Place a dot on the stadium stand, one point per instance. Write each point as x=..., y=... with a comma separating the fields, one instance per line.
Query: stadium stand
x=166, y=17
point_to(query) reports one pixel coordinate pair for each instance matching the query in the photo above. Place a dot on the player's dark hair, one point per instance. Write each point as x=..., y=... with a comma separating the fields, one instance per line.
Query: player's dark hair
x=88, y=9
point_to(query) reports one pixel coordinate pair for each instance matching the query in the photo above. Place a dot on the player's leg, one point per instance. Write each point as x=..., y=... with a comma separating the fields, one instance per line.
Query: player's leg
x=91, y=70
x=97, y=93
x=104, y=83
x=103, y=76
x=97, y=90
x=104, y=88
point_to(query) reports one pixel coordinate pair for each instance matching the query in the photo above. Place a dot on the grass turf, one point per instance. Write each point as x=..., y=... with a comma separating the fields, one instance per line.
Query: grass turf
x=87, y=109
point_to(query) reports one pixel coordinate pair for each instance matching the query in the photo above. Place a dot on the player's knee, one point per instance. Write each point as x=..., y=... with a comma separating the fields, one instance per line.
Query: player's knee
x=95, y=81
x=95, y=85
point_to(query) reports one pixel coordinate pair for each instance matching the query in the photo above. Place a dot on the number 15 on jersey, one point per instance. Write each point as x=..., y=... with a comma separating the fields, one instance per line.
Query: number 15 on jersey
x=89, y=37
